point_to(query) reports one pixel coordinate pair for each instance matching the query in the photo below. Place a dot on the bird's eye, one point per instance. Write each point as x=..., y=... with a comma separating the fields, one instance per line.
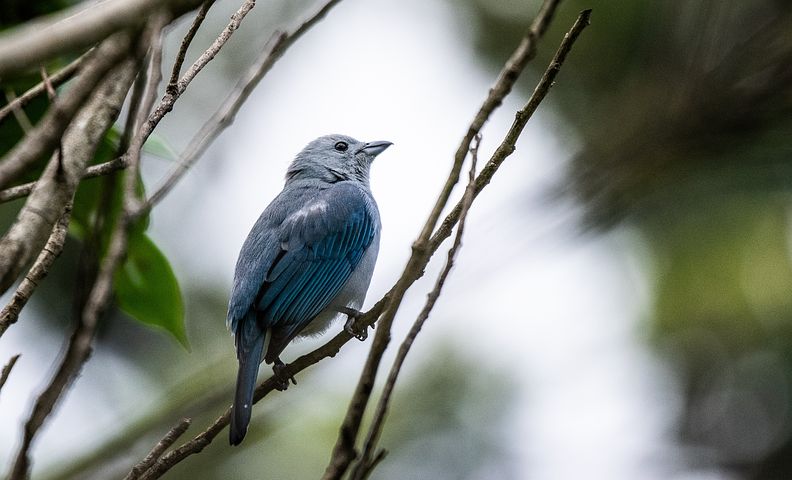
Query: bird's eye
x=341, y=146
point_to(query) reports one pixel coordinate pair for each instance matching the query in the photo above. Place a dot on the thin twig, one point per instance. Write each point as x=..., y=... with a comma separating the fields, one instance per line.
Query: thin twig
x=365, y=464
x=186, y=41
x=156, y=452
x=47, y=83
x=56, y=79
x=327, y=350
x=171, y=95
x=23, y=190
x=7, y=370
x=37, y=272
x=19, y=114
x=344, y=449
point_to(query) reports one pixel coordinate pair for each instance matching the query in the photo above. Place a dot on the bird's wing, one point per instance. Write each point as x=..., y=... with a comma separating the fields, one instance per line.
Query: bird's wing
x=320, y=246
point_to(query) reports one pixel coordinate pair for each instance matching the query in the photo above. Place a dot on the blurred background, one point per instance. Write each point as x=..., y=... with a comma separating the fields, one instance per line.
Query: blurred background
x=622, y=305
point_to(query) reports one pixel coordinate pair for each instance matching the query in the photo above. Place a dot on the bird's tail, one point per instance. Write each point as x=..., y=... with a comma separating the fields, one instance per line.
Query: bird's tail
x=249, y=352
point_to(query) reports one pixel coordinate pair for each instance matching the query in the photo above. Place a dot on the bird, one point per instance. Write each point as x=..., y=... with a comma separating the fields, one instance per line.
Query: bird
x=308, y=259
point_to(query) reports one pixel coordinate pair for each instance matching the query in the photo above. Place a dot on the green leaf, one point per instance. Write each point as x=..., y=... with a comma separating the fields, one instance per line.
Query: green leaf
x=147, y=289
x=159, y=147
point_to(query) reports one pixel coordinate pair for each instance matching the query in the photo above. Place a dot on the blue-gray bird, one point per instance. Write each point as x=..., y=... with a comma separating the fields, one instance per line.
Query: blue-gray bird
x=308, y=259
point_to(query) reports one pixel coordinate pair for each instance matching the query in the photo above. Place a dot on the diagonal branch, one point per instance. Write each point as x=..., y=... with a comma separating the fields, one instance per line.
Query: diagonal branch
x=507, y=147
x=58, y=78
x=368, y=460
x=38, y=271
x=344, y=450
x=106, y=168
x=156, y=452
x=186, y=41
x=7, y=370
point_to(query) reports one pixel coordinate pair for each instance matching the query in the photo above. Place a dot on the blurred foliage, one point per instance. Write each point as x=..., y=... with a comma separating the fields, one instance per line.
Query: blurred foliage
x=145, y=286
x=683, y=111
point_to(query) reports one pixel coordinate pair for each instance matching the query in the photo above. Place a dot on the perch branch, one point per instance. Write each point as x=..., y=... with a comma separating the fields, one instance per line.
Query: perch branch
x=368, y=459
x=344, y=450
x=156, y=452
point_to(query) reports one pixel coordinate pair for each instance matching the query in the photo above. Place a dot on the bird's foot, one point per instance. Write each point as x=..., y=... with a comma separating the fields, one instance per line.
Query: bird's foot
x=351, y=326
x=281, y=379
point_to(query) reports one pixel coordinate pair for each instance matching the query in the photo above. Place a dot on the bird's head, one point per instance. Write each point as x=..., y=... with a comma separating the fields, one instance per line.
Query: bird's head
x=333, y=158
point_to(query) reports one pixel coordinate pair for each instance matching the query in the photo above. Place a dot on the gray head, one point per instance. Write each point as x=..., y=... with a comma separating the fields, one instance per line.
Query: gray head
x=333, y=158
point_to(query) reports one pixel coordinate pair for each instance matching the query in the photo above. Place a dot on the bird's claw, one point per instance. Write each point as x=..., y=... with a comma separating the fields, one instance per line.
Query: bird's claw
x=351, y=325
x=281, y=379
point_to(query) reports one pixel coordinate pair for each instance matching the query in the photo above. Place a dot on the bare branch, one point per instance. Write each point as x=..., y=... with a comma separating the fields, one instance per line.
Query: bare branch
x=344, y=450
x=44, y=137
x=156, y=452
x=19, y=114
x=79, y=144
x=76, y=28
x=365, y=464
x=186, y=41
x=171, y=95
x=23, y=190
x=7, y=370
x=524, y=53
x=59, y=77
x=38, y=271
x=508, y=145
x=56, y=187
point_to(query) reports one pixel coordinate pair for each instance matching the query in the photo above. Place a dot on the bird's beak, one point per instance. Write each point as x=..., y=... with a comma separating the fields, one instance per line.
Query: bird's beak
x=375, y=148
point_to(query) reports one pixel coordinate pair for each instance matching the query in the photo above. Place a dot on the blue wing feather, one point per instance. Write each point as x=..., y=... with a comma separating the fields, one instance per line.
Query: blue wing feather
x=298, y=258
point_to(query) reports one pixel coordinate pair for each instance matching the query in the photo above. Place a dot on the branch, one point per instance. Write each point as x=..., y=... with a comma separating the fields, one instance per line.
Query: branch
x=7, y=370
x=344, y=450
x=44, y=138
x=76, y=28
x=58, y=78
x=186, y=41
x=56, y=187
x=524, y=53
x=156, y=452
x=507, y=147
x=106, y=168
x=173, y=94
x=365, y=464
x=278, y=43
x=38, y=271
x=79, y=144
x=329, y=349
